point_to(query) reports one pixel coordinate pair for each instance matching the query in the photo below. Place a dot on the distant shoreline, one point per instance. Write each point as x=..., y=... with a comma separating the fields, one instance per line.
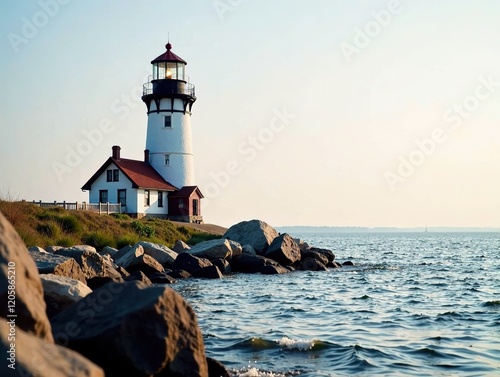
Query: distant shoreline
x=353, y=229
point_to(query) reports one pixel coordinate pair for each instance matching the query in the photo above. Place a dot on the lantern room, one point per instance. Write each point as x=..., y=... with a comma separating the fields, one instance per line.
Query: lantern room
x=169, y=66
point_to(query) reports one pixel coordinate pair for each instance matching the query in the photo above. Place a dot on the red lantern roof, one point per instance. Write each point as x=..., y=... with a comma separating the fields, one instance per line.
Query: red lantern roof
x=168, y=56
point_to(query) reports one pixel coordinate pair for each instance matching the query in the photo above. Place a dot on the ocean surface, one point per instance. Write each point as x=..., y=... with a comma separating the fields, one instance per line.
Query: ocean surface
x=414, y=304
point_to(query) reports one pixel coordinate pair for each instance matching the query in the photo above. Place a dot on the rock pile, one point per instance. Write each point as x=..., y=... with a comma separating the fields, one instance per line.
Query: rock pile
x=111, y=312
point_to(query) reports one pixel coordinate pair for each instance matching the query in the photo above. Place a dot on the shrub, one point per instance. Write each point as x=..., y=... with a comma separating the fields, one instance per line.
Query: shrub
x=69, y=223
x=120, y=216
x=183, y=230
x=50, y=229
x=67, y=241
x=126, y=239
x=143, y=230
x=99, y=240
x=200, y=237
x=29, y=236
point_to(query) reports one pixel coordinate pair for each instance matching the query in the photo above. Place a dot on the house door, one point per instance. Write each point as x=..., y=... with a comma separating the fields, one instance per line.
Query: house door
x=103, y=196
x=122, y=197
x=195, y=207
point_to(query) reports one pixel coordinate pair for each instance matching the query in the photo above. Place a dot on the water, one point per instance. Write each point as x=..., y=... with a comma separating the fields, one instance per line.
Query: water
x=414, y=304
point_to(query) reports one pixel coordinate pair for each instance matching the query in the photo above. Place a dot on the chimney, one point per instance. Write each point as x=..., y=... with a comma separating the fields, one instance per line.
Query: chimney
x=116, y=152
x=146, y=155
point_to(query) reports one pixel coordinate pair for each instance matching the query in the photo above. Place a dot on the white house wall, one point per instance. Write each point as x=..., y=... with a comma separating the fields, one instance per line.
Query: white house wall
x=153, y=208
x=113, y=187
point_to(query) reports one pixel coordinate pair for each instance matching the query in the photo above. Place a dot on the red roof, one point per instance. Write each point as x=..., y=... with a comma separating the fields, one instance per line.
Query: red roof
x=140, y=173
x=187, y=191
x=168, y=56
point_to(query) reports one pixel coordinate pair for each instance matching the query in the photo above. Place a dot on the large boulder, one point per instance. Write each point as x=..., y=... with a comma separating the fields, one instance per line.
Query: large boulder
x=130, y=256
x=133, y=330
x=146, y=264
x=21, y=292
x=210, y=272
x=180, y=247
x=256, y=233
x=60, y=292
x=308, y=253
x=140, y=277
x=284, y=250
x=190, y=263
x=327, y=253
x=273, y=269
x=48, y=263
x=251, y=264
x=161, y=253
x=162, y=278
x=111, y=269
x=120, y=253
x=312, y=264
x=219, y=248
x=248, y=249
x=108, y=250
x=235, y=248
x=35, y=357
x=91, y=263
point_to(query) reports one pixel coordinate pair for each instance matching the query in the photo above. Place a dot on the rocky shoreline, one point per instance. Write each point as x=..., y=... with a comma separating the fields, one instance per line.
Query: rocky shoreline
x=79, y=311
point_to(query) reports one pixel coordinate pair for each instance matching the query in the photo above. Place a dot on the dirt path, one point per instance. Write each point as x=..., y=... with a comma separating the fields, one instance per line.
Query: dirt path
x=209, y=228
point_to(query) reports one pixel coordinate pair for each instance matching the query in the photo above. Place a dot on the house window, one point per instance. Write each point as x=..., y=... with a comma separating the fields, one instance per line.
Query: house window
x=116, y=175
x=167, y=160
x=122, y=197
x=146, y=197
x=167, y=121
x=160, y=199
x=103, y=196
x=112, y=175
x=181, y=204
x=109, y=175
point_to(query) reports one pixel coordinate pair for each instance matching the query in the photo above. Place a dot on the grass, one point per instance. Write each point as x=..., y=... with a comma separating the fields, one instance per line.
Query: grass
x=55, y=226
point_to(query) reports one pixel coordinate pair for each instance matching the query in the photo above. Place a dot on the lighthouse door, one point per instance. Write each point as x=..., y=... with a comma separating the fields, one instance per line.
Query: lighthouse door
x=195, y=207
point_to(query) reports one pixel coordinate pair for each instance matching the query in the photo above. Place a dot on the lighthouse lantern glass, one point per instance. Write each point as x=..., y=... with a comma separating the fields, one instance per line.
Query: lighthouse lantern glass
x=168, y=70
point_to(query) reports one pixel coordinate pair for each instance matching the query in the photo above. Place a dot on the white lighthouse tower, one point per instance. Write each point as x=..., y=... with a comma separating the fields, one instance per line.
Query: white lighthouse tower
x=169, y=98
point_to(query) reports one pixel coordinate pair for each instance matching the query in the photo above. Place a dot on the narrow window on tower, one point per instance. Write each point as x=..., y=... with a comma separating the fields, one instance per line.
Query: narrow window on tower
x=167, y=121
x=167, y=160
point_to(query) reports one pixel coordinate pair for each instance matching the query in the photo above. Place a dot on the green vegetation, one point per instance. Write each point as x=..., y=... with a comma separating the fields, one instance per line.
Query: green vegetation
x=55, y=226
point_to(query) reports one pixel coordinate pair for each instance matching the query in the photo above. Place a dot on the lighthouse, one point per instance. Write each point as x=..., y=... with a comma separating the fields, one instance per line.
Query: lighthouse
x=169, y=98
x=161, y=185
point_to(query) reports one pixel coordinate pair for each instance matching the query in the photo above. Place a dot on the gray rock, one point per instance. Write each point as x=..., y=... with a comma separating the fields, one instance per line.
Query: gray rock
x=158, y=278
x=190, y=263
x=60, y=292
x=180, y=247
x=146, y=264
x=251, y=264
x=140, y=277
x=248, y=249
x=223, y=265
x=108, y=250
x=219, y=248
x=302, y=244
x=132, y=254
x=308, y=253
x=327, y=253
x=91, y=263
x=274, y=270
x=36, y=249
x=256, y=233
x=17, y=266
x=210, y=272
x=36, y=357
x=161, y=253
x=312, y=264
x=53, y=249
x=137, y=331
x=179, y=274
x=120, y=253
x=49, y=263
x=284, y=250
x=235, y=248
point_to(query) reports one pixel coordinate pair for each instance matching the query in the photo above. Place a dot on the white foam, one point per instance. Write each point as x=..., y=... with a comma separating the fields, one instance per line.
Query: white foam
x=254, y=372
x=302, y=345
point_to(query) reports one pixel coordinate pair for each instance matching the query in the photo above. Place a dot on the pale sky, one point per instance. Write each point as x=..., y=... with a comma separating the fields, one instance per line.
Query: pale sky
x=320, y=112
